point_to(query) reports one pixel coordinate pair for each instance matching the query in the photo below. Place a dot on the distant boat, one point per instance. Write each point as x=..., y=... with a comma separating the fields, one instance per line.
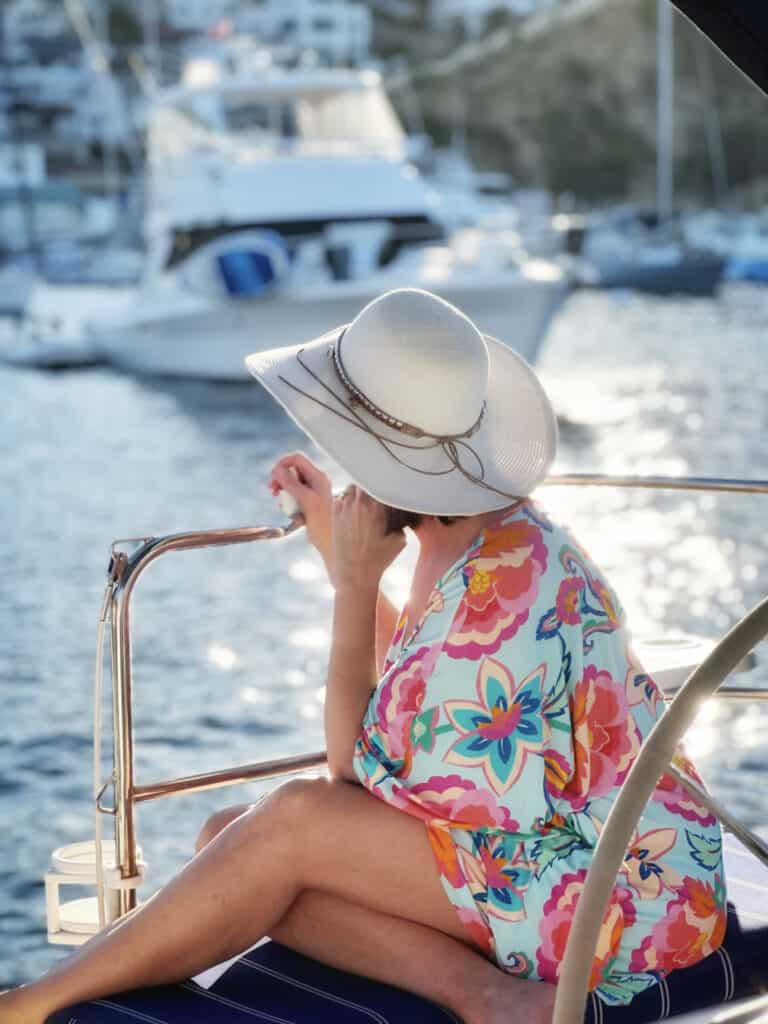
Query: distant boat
x=279, y=202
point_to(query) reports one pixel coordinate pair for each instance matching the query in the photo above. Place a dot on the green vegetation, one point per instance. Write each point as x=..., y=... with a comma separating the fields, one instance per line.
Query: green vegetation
x=575, y=110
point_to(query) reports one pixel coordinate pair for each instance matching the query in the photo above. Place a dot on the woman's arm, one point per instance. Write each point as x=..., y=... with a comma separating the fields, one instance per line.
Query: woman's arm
x=311, y=487
x=361, y=552
x=386, y=624
x=352, y=673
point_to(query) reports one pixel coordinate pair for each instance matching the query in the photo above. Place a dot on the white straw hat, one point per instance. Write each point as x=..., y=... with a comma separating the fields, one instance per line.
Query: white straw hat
x=423, y=411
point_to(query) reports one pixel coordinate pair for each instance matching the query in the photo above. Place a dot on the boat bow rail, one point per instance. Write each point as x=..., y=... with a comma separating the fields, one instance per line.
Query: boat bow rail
x=117, y=879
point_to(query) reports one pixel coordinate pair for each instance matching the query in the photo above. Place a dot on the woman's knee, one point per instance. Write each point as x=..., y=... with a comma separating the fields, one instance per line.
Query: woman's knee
x=286, y=811
x=296, y=799
x=219, y=821
x=302, y=805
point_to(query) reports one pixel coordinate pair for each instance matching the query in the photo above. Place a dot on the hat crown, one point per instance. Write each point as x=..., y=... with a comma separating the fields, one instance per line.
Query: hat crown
x=418, y=359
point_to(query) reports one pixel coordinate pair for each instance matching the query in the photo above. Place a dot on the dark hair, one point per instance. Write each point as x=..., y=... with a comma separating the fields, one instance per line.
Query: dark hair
x=398, y=519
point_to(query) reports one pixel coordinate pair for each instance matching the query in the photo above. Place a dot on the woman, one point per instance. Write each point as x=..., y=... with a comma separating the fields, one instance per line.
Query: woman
x=472, y=766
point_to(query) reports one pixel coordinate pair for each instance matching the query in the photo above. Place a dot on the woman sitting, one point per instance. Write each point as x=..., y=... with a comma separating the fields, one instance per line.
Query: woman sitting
x=471, y=765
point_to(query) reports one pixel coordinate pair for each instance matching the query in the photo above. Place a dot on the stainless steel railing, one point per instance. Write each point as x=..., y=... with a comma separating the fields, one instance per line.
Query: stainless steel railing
x=124, y=571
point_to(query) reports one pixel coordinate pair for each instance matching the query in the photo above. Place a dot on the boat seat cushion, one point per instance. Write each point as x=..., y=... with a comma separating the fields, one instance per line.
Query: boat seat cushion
x=274, y=984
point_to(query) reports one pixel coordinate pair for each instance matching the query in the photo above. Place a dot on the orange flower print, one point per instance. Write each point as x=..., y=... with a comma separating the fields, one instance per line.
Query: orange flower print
x=502, y=583
x=568, y=601
x=692, y=927
x=446, y=855
x=605, y=737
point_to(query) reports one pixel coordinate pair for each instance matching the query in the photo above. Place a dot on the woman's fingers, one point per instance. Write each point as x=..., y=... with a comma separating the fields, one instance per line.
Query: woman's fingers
x=308, y=472
x=362, y=547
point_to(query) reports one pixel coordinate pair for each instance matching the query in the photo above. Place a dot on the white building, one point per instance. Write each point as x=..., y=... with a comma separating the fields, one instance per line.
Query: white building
x=474, y=13
x=339, y=31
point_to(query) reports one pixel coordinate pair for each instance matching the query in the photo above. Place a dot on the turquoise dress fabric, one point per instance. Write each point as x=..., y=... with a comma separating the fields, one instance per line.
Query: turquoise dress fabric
x=507, y=721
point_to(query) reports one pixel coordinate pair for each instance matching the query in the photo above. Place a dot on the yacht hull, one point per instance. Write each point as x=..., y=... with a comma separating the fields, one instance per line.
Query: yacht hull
x=212, y=342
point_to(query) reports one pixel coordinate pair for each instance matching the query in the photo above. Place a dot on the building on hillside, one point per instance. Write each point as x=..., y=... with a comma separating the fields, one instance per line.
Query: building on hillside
x=475, y=13
x=338, y=31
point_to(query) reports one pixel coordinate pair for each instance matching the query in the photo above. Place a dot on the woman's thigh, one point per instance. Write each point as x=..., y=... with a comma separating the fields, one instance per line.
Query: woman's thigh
x=353, y=845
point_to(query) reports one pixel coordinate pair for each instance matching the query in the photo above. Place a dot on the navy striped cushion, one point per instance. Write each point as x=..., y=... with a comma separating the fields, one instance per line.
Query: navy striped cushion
x=276, y=985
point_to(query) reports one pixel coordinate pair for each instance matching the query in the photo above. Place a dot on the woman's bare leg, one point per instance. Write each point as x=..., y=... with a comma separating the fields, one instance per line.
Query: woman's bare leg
x=329, y=837
x=413, y=957
x=390, y=949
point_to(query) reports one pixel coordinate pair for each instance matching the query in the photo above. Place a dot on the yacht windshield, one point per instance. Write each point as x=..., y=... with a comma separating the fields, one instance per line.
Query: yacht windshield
x=362, y=115
x=332, y=116
x=335, y=118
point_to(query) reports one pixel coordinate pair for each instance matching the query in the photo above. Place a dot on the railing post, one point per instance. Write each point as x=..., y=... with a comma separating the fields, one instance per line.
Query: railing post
x=125, y=571
x=122, y=724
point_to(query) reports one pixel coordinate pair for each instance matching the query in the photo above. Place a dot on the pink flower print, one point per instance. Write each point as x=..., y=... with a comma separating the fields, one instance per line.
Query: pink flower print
x=558, y=912
x=400, y=703
x=502, y=580
x=676, y=798
x=605, y=737
x=499, y=730
x=643, y=867
x=453, y=799
x=693, y=926
x=568, y=600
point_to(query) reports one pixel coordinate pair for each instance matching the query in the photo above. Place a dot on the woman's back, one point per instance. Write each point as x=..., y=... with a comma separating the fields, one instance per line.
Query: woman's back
x=508, y=720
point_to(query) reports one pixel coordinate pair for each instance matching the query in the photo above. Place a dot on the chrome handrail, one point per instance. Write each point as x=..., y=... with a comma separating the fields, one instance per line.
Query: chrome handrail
x=231, y=776
x=658, y=483
x=125, y=570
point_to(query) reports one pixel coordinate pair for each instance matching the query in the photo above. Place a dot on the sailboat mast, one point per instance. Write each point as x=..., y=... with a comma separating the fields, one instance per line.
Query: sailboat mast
x=665, y=113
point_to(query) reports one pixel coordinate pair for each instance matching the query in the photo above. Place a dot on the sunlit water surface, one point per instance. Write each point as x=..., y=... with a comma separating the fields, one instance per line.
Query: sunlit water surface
x=230, y=645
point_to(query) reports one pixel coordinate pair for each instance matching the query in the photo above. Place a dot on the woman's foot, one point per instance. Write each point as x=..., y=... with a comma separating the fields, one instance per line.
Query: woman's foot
x=508, y=999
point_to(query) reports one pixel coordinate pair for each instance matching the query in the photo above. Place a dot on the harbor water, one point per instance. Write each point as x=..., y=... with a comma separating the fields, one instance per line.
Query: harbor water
x=230, y=645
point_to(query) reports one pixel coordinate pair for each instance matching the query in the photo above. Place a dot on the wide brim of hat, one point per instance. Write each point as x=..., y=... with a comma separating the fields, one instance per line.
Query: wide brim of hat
x=515, y=443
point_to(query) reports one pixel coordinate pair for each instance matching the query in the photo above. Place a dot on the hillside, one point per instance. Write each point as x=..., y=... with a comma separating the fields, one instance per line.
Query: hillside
x=575, y=110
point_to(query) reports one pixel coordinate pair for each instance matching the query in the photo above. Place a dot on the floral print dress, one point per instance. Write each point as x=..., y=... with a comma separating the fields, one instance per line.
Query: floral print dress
x=508, y=721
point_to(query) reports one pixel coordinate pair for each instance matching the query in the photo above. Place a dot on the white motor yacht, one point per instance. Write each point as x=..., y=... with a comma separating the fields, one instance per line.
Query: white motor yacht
x=279, y=202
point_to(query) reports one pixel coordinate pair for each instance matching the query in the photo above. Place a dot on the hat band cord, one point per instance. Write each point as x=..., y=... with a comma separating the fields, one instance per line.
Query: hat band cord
x=450, y=444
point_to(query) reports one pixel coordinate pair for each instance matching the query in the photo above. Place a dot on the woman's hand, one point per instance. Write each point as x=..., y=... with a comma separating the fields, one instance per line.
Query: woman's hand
x=311, y=487
x=362, y=549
